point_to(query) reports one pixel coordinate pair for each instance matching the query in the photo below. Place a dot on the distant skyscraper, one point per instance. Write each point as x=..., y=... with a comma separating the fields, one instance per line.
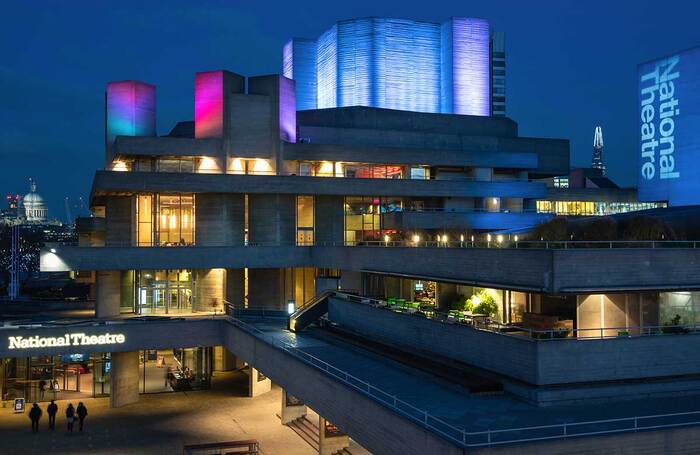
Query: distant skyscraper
x=498, y=74
x=598, y=150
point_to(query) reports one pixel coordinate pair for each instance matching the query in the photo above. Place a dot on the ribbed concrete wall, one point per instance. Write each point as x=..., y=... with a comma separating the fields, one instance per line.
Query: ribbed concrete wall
x=272, y=218
x=108, y=293
x=124, y=379
x=266, y=288
x=220, y=219
x=328, y=219
x=119, y=212
x=235, y=286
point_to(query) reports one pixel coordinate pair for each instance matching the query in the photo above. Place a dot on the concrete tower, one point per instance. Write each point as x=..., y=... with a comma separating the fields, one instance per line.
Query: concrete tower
x=598, y=150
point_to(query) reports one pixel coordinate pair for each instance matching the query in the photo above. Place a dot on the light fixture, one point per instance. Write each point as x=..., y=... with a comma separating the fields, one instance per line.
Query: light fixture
x=416, y=238
x=516, y=238
x=291, y=306
x=444, y=238
x=461, y=238
x=53, y=250
x=472, y=238
x=386, y=239
x=499, y=238
x=488, y=237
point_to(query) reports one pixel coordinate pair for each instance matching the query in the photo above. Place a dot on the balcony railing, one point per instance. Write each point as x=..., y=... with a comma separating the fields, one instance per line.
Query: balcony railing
x=487, y=438
x=497, y=241
x=517, y=331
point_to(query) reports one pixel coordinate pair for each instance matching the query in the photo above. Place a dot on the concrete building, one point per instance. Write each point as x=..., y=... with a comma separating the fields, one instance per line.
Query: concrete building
x=381, y=220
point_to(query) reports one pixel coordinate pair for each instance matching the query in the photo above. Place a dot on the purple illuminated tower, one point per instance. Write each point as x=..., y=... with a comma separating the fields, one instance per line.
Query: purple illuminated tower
x=130, y=110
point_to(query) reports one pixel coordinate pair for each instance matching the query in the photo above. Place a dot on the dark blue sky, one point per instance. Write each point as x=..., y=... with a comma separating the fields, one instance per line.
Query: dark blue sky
x=571, y=65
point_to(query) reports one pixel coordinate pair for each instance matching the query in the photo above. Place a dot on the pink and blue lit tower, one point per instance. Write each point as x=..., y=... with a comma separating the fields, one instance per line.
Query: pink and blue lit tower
x=130, y=110
x=395, y=64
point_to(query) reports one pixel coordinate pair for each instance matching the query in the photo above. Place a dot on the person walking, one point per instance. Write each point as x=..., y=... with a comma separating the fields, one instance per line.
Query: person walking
x=51, y=410
x=35, y=415
x=70, y=416
x=82, y=412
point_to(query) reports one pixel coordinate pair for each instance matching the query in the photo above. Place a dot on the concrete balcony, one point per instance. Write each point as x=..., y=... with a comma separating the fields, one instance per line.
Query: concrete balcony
x=555, y=271
x=408, y=155
x=109, y=182
x=476, y=219
x=552, y=371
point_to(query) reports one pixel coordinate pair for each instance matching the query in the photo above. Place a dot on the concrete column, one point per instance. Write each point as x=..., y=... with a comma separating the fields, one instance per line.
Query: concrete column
x=446, y=294
x=292, y=408
x=272, y=218
x=209, y=290
x=330, y=438
x=235, y=287
x=124, y=379
x=257, y=383
x=266, y=288
x=223, y=359
x=108, y=294
x=119, y=212
x=328, y=219
x=219, y=219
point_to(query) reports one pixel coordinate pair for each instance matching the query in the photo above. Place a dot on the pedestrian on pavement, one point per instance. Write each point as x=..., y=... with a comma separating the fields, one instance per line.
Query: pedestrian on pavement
x=82, y=412
x=70, y=416
x=35, y=415
x=51, y=410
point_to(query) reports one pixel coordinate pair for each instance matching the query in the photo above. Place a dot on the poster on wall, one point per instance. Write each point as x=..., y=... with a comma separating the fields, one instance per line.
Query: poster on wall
x=669, y=129
x=18, y=406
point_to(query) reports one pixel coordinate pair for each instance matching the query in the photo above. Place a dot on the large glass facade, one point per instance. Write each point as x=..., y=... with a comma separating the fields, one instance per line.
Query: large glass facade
x=174, y=370
x=360, y=170
x=164, y=291
x=165, y=220
x=590, y=208
x=61, y=377
x=80, y=376
x=363, y=221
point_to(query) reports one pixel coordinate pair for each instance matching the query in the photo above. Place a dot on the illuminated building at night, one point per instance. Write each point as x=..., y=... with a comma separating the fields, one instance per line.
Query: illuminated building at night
x=339, y=230
x=452, y=67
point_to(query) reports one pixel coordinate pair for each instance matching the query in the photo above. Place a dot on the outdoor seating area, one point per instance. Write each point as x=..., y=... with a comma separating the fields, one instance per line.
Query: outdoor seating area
x=533, y=325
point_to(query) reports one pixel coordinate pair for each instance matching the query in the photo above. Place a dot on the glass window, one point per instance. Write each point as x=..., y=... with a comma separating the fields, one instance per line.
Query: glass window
x=144, y=220
x=362, y=219
x=175, y=220
x=305, y=220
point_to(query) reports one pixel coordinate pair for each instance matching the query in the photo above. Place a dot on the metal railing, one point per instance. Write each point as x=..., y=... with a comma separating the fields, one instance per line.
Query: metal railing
x=457, y=435
x=504, y=241
x=486, y=438
x=555, y=334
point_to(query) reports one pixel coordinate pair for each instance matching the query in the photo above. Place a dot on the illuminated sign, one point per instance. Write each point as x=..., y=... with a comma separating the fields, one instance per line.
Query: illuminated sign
x=669, y=127
x=69, y=339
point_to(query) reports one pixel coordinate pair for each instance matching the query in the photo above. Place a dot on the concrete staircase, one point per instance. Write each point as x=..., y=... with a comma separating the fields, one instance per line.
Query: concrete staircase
x=308, y=431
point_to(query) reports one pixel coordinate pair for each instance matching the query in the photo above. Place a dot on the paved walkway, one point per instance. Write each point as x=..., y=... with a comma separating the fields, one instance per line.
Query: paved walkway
x=158, y=424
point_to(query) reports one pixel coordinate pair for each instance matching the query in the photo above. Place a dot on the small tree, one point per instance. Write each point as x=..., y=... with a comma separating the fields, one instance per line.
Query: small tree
x=643, y=227
x=554, y=229
x=487, y=304
x=600, y=228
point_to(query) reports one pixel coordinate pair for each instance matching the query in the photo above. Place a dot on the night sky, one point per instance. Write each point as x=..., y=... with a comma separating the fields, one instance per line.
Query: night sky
x=570, y=65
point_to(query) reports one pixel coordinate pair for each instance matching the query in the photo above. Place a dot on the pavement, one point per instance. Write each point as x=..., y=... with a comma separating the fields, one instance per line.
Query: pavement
x=159, y=424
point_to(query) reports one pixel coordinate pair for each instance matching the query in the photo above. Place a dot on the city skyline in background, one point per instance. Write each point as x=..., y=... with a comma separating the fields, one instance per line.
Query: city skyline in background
x=562, y=80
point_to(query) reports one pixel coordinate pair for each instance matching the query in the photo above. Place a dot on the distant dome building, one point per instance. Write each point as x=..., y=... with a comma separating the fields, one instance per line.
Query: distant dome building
x=35, y=209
